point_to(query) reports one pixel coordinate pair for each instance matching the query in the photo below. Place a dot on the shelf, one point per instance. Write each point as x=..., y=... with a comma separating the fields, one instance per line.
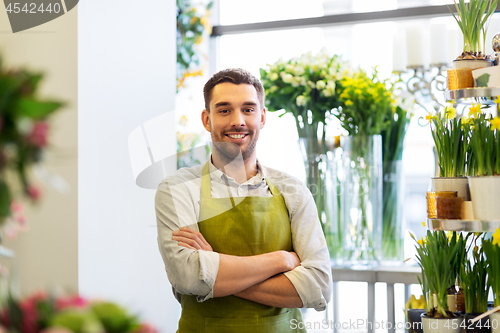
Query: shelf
x=473, y=95
x=462, y=225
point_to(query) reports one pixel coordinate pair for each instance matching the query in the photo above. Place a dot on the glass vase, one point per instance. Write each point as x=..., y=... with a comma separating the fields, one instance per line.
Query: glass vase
x=321, y=180
x=392, y=213
x=361, y=199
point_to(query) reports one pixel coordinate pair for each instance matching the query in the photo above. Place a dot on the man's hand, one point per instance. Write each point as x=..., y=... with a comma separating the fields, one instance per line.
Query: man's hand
x=191, y=239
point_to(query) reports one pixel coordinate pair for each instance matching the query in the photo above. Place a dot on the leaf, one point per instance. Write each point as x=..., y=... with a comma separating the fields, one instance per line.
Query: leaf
x=5, y=200
x=482, y=81
x=35, y=109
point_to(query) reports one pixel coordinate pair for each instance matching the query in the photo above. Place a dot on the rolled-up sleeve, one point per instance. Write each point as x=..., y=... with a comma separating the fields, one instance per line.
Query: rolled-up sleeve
x=189, y=271
x=312, y=279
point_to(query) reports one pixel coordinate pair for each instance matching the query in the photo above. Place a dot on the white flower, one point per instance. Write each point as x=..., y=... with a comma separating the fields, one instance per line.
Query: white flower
x=299, y=70
x=290, y=68
x=296, y=81
x=327, y=92
x=311, y=84
x=320, y=85
x=287, y=78
x=301, y=100
x=273, y=76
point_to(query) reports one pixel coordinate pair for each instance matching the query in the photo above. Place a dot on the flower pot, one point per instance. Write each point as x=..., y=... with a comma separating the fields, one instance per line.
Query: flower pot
x=459, y=184
x=480, y=326
x=472, y=63
x=440, y=325
x=495, y=322
x=415, y=321
x=485, y=191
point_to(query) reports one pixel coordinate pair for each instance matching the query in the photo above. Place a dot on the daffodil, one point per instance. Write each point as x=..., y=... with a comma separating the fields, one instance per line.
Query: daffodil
x=475, y=110
x=423, y=224
x=430, y=116
x=497, y=100
x=496, y=237
x=414, y=303
x=450, y=235
x=450, y=112
x=495, y=123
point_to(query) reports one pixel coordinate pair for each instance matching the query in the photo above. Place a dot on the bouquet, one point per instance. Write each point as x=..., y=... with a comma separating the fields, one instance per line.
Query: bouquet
x=42, y=312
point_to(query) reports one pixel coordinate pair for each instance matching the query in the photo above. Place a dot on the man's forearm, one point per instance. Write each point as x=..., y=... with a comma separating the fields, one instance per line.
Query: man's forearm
x=276, y=291
x=239, y=273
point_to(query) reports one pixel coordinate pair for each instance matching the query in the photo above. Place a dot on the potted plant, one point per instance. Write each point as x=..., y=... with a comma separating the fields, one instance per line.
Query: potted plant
x=491, y=249
x=414, y=310
x=438, y=256
x=484, y=182
x=473, y=281
x=472, y=18
x=450, y=135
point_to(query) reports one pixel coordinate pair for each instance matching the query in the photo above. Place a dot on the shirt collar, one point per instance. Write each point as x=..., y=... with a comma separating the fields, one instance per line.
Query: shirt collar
x=216, y=174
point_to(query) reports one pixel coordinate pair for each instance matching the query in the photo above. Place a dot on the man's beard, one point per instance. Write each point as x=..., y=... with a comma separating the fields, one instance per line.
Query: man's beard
x=229, y=151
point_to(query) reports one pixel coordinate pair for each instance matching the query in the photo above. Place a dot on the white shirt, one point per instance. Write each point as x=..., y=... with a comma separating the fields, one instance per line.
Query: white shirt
x=193, y=272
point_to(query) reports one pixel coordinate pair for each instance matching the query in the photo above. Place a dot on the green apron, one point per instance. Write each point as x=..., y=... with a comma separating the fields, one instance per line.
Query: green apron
x=254, y=225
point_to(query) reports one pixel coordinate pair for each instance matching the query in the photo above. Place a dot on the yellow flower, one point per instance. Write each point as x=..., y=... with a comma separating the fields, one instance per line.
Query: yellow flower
x=430, y=116
x=422, y=241
x=497, y=100
x=449, y=234
x=496, y=237
x=348, y=102
x=475, y=110
x=450, y=112
x=495, y=123
x=414, y=303
x=423, y=224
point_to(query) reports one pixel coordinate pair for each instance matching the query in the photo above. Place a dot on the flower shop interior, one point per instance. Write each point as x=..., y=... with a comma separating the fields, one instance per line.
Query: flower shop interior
x=369, y=104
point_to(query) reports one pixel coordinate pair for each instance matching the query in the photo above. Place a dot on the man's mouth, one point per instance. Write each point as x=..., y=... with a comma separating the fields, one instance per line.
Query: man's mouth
x=237, y=136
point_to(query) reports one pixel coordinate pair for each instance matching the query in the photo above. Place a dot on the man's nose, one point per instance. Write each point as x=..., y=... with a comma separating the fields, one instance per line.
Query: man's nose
x=237, y=119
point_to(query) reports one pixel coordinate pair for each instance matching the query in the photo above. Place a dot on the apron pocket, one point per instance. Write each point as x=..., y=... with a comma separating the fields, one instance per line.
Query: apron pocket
x=273, y=324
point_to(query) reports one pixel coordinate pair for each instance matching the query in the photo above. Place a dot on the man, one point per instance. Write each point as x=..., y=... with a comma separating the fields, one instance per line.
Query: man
x=242, y=244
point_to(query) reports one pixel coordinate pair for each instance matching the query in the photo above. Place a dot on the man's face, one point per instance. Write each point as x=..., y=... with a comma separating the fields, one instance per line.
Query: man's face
x=235, y=119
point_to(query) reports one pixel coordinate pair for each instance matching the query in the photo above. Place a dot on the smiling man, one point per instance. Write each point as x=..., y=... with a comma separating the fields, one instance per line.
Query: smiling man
x=242, y=244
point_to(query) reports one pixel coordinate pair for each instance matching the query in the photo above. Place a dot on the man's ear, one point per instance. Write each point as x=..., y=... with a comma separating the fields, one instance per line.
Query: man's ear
x=205, y=119
x=263, y=117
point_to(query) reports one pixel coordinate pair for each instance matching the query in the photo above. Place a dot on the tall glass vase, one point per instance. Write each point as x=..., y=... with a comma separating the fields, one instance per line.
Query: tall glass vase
x=361, y=199
x=321, y=180
x=393, y=227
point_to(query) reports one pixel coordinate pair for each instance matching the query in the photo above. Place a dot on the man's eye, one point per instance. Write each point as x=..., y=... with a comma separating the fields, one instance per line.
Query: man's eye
x=248, y=110
x=223, y=111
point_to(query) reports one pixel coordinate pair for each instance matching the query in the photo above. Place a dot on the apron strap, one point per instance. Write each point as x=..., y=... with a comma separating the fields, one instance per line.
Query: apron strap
x=272, y=188
x=205, y=191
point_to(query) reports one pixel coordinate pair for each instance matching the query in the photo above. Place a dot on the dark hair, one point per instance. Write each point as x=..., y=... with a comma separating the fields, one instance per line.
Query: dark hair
x=232, y=75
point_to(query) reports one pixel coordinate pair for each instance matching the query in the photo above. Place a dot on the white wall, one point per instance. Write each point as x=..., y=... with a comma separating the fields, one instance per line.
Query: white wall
x=126, y=76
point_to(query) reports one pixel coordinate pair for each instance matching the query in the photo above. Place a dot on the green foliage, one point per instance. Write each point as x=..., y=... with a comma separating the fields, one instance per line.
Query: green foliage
x=491, y=250
x=484, y=141
x=451, y=138
x=192, y=23
x=474, y=284
x=367, y=104
x=440, y=256
x=472, y=19
x=114, y=318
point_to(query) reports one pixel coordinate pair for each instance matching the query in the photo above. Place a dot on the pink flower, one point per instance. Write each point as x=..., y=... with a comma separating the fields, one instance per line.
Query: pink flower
x=38, y=135
x=34, y=192
x=71, y=302
x=146, y=328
